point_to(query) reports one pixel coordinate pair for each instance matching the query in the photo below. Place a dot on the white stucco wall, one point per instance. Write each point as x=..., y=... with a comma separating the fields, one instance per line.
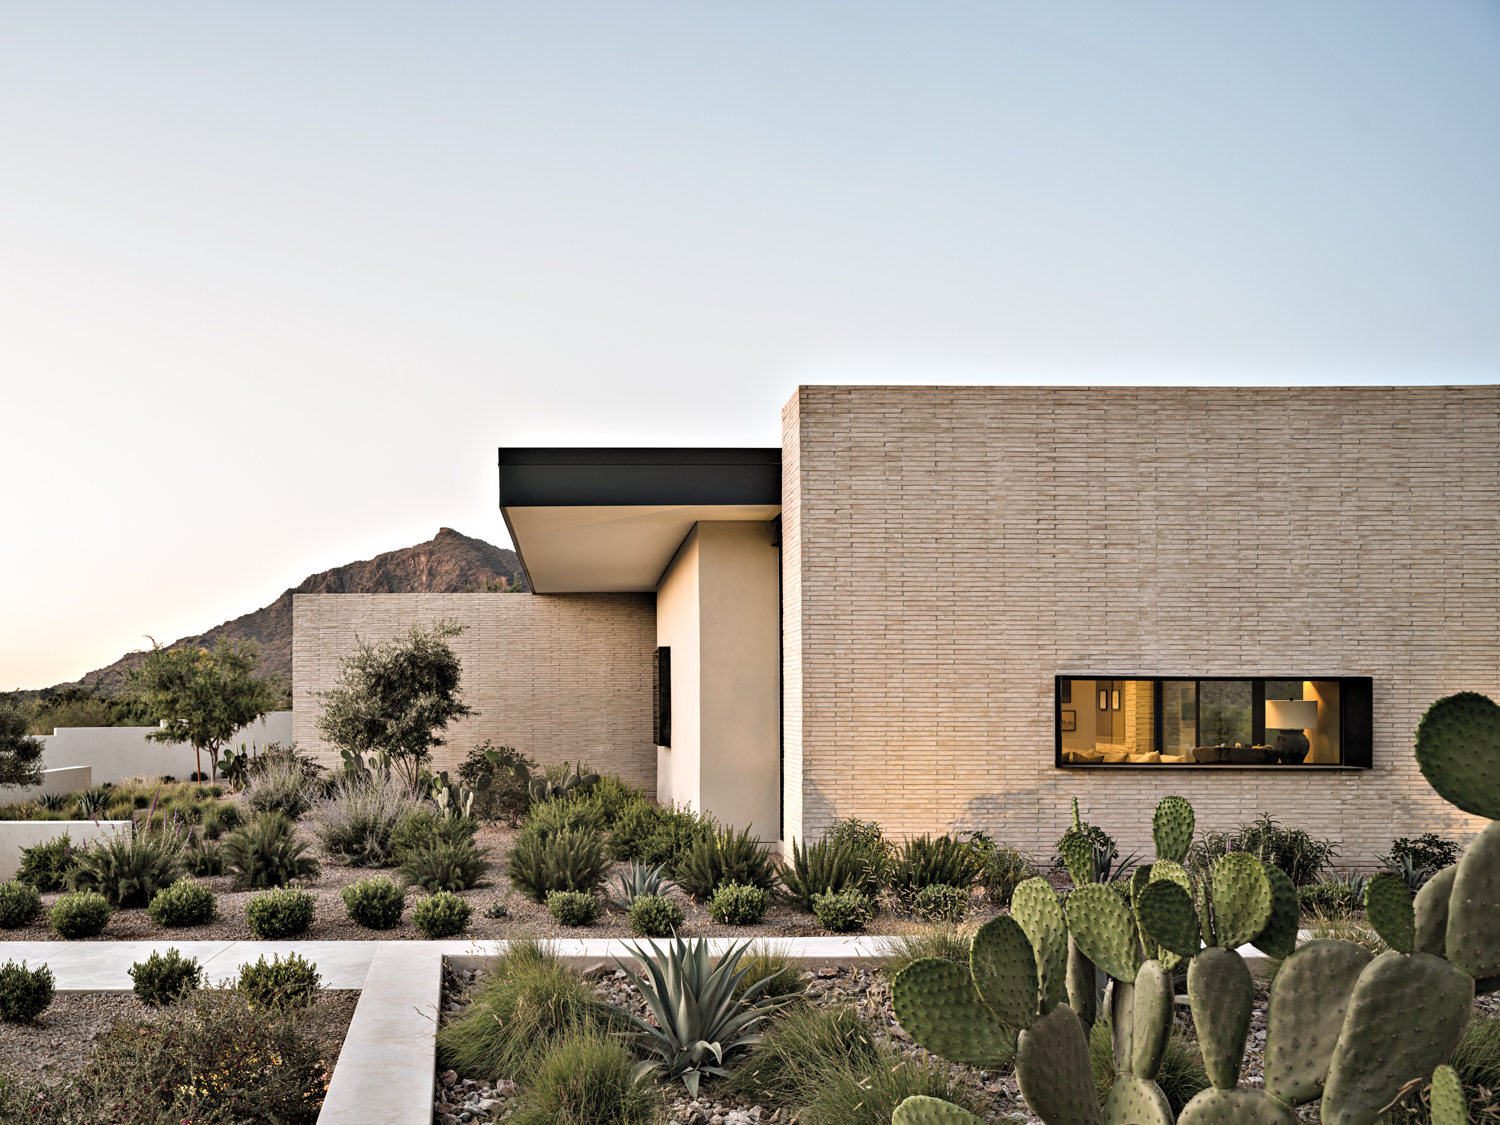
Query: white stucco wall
x=115, y=753
x=18, y=834
x=69, y=779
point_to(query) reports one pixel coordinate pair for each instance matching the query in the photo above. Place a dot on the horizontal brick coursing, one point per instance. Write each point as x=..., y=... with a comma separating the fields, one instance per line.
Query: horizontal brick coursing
x=947, y=551
x=558, y=677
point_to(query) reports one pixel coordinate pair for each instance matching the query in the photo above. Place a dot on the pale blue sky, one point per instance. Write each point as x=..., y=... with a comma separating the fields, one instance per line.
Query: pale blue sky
x=276, y=279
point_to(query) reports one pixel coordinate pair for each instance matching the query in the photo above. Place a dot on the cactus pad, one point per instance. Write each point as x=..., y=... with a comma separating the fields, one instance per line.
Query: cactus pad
x=936, y=1005
x=1004, y=971
x=1279, y=937
x=1406, y=1014
x=1102, y=926
x=1172, y=828
x=1458, y=751
x=1053, y=1070
x=1448, y=1104
x=1474, y=907
x=1082, y=997
x=1122, y=1023
x=1136, y=1101
x=1308, y=1003
x=1152, y=1019
x=1221, y=993
x=1166, y=869
x=1242, y=899
x=1235, y=1107
x=1432, y=912
x=1078, y=856
x=1035, y=905
x=1168, y=918
x=919, y=1109
x=1389, y=909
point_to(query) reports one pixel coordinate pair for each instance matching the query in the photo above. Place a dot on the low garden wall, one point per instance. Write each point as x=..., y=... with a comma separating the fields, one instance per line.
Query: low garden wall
x=58, y=782
x=115, y=753
x=18, y=834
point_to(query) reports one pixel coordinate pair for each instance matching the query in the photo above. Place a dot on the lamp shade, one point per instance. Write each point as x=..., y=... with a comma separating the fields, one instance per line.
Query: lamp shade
x=1291, y=714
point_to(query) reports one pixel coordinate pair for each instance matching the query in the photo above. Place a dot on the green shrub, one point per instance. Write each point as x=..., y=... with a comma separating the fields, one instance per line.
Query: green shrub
x=24, y=993
x=659, y=835
x=873, y=852
x=128, y=870
x=20, y=905
x=202, y=859
x=159, y=980
x=279, y=783
x=1002, y=868
x=735, y=904
x=375, y=903
x=572, y=813
x=822, y=868
x=47, y=865
x=1341, y=895
x=82, y=914
x=219, y=818
x=1301, y=856
x=357, y=823
x=441, y=915
x=442, y=866
x=940, y=903
x=612, y=795
x=637, y=824
x=505, y=797
x=266, y=853
x=1427, y=850
x=654, y=916
x=280, y=913
x=570, y=860
x=424, y=827
x=184, y=903
x=587, y=1077
x=842, y=913
x=925, y=861
x=726, y=857
x=520, y=1010
x=280, y=984
x=573, y=908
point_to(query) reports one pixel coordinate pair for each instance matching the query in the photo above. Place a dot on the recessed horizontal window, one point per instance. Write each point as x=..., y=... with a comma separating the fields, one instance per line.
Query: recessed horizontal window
x=1287, y=722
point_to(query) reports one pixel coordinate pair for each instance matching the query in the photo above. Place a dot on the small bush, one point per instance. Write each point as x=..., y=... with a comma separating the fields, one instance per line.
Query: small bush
x=281, y=913
x=658, y=835
x=611, y=795
x=279, y=783
x=280, y=984
x=925, y=861
x=940, y=903
x=184, y=903
x=822, y=868
x=573, y=908
x=570, y=860
x=587, y=1077
x=266, y=854
x=571, y=813
x=357, y=824
x=441, y=915
x=842, y=913
x=202, y=859
x=726, y=857
x=1339, y=896
x=159, y=980
x=1301, y=856
x=735, y=904
x=128, y=871
x=20, y=905
x=1427, y=850
x=442, y=866
x=375, y=903
x=46, y=866
x=82, y=914
x=866, y=840
x=654, y=916
x=1002, y=868
x=24, y=993
x=219, y=818
x=505, y=797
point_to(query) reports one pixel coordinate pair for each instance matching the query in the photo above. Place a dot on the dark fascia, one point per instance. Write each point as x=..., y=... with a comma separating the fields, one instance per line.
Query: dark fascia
x=549, y=478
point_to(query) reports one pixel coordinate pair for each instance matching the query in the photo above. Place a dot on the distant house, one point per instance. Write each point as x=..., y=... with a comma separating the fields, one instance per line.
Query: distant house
x=958, y=607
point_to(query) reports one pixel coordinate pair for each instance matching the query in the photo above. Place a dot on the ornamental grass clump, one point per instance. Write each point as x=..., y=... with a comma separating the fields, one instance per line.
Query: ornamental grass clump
x=20, y=905
x=24, y=993
x=1181, y=1076
x=279, y=783
x=281, y=913
x=163, y=979
x=375, y=903
x=128, y=870
x=184, y=903
x=81, y=914
x=202, y=859
x=569, y=860
x=441, y=915
x=735, y=904
x=280, y=984
x=587, y=1078
x=724, y=857
x=356, y=823
x=573, y=908
x=769, y=964
x=654, y=916
x=266, y=853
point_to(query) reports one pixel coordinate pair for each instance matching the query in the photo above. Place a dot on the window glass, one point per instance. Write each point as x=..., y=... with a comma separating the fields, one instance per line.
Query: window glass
x=1109, y=721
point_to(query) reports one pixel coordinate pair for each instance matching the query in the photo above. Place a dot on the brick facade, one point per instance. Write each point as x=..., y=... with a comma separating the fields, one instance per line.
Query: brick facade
x=558, y=677
x=947, y=551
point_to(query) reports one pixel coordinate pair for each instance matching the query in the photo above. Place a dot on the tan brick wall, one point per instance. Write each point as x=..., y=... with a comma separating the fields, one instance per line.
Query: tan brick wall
x=559, y=677
x=949, y=550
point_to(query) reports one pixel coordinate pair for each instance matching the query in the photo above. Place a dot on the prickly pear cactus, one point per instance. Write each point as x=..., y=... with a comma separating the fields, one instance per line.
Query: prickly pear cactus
x=1241, y=899
x=1389, y=908
x=1308, y=1004
x=938, y=1006
x=1167, y=917
x=919, y=1109
x=1101, y=925
x=1458, y=752
x=1431, y=908
x=1221, y=994
x=1034, y=904
x=1078, y=856
x=1172, y=828
x=1003, y=965
x=1053, y=1070
x=1474, y=907
x=1448, y=1104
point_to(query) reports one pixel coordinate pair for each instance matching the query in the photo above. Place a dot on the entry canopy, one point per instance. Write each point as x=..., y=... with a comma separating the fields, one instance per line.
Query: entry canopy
x=610, y=520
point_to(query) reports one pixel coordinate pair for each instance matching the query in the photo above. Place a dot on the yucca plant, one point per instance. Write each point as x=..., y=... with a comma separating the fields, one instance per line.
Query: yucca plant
x=826, y=867
x=639, y=881
x=266, y=853
x=723, y=857
x=699, y=1023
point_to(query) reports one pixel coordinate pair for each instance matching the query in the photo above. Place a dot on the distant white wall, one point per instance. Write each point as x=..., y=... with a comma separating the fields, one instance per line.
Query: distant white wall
x=115, y=753
x=69, y=779
x=18, y=834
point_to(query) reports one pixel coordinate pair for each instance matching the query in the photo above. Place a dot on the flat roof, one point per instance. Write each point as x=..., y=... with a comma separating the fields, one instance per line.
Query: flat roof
x=598, y=520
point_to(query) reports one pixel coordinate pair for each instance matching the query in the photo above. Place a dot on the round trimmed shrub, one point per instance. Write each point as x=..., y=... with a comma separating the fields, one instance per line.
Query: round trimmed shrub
x=939, y=902
x=441, y=915
x=19, y=905
x=374, y=903
x=282, y=913
x=654, y=916
x=289, y=983
x=842, y=913
x=573, y=908
x=24, y=993
x=184, y=903
x=735, y=904
x=159, y=979
x=79, y=915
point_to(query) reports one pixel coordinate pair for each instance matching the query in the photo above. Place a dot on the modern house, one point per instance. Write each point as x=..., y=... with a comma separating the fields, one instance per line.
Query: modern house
x=958, y=607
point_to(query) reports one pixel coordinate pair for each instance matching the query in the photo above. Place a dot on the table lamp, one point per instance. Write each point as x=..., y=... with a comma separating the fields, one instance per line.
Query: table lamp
x=1293, y=718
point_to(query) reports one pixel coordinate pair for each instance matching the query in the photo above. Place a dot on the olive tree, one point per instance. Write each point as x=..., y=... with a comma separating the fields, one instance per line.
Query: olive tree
x=397, y=696
x=20, y=753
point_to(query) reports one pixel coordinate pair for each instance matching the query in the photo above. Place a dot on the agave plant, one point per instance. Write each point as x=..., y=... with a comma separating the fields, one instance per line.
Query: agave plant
x=1411, y=872
x=641, y=880
x=699, y=1022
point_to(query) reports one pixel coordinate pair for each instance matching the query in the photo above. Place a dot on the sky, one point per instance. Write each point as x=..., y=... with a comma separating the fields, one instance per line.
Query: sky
x=276, y=280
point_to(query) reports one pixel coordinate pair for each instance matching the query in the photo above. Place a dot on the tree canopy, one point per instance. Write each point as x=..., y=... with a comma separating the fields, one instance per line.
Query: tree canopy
x=397, y=696
x=20, y=754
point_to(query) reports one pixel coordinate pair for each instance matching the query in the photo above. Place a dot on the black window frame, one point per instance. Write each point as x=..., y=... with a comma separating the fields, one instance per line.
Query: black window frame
x=663, y=700
x=1356, y=721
